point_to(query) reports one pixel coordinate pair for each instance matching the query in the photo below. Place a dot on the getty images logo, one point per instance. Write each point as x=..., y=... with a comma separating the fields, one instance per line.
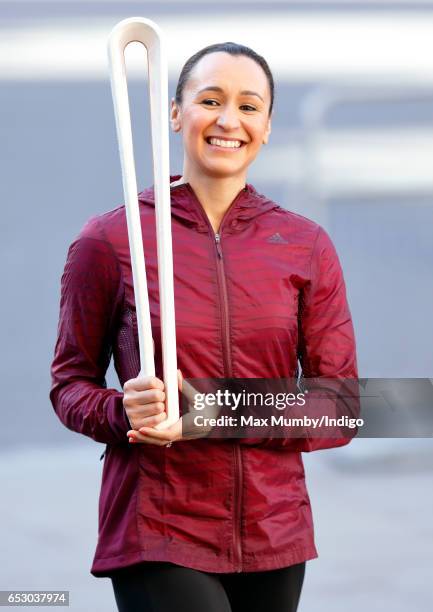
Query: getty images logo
x=276, y=239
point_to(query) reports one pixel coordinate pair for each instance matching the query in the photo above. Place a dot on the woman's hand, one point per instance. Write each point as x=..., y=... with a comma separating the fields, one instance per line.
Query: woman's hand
x=143, y=401
x=184, y=429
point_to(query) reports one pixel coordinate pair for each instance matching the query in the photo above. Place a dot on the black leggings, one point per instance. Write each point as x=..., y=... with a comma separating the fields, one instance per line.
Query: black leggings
x=160, y=586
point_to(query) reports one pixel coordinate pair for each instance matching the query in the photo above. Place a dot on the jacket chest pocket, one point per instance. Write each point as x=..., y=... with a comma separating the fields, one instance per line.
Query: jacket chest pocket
x=264, y=328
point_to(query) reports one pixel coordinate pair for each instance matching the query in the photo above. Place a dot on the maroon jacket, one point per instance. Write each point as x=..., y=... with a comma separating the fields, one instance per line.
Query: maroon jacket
x=215, y=505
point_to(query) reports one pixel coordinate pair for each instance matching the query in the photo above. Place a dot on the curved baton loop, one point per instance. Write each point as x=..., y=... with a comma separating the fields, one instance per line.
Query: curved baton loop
x=145, y=31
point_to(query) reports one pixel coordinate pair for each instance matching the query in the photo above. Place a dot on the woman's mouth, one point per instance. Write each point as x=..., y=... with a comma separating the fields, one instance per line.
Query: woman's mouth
x=224, y=145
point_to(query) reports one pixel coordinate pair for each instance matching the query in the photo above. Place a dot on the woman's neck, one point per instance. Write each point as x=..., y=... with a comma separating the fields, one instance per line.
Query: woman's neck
x=214, y=194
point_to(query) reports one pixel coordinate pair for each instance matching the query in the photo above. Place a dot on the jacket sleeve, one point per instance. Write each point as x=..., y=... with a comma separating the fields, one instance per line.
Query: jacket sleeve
x=326, y=349
x=91, y=294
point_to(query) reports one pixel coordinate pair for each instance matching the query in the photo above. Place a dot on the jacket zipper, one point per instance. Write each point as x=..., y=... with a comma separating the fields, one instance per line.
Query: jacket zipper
x=237, y=526
x=225, y=319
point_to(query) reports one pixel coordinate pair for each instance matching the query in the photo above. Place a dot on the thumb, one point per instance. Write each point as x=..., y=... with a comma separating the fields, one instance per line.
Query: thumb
x=179, y=379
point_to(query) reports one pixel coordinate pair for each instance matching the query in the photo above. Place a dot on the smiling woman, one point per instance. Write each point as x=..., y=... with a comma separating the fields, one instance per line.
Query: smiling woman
x=223, y=108
x=221, y=525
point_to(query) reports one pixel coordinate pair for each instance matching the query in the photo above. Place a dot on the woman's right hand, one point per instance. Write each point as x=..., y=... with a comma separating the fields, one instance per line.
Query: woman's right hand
x=143, y=401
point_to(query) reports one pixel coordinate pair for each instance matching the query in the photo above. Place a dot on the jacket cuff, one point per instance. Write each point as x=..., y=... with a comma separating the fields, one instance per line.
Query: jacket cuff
x=117, y=416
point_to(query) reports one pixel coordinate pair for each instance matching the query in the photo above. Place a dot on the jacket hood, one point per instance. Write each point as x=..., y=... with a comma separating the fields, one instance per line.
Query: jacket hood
x=187, y=208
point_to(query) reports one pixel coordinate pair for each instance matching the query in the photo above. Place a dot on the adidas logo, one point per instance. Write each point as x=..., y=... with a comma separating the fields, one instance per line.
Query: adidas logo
x=276, y=239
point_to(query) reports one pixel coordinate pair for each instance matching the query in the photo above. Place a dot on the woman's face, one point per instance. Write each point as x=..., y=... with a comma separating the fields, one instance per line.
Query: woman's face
x=226, y=97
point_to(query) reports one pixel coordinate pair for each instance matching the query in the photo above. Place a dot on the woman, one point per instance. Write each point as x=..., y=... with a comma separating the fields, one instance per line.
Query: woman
x=207, y=524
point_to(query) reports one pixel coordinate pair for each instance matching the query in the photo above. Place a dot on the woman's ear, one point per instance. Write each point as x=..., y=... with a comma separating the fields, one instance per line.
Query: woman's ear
x=175, y=116
x=267, y=132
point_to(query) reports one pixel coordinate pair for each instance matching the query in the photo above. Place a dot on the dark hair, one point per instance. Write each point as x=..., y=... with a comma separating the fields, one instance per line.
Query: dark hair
x=226, y=47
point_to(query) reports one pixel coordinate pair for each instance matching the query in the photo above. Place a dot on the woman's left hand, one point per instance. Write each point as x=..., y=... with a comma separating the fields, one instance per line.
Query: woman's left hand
x=160, y=437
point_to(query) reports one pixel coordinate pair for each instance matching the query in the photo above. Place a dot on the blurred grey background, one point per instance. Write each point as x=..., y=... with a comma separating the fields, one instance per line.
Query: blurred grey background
x=351, y=147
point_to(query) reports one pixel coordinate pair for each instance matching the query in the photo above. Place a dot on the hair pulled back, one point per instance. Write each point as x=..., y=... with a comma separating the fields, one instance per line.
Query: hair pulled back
x=226, y=47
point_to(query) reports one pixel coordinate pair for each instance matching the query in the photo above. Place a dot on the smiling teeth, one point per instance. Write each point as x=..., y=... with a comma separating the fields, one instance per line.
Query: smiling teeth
x=231, y=144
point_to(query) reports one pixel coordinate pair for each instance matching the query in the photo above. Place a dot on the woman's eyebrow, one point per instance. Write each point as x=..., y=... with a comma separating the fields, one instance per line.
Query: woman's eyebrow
x=245, y=92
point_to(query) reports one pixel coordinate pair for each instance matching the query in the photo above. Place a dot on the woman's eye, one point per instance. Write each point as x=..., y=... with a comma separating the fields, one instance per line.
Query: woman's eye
x=247, y=106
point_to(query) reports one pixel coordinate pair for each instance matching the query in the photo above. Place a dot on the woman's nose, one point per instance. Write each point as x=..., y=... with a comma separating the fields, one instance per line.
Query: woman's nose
x=228, y=118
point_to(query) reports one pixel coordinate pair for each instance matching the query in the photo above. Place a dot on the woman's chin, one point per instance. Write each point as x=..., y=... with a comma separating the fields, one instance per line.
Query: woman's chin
x=221, y=169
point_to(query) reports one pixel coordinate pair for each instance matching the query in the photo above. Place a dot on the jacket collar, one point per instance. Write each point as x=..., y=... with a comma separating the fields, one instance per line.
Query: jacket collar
x=186, y=207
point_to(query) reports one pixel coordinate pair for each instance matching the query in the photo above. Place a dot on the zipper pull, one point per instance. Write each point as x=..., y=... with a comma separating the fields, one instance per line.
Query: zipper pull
x=218, y=246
